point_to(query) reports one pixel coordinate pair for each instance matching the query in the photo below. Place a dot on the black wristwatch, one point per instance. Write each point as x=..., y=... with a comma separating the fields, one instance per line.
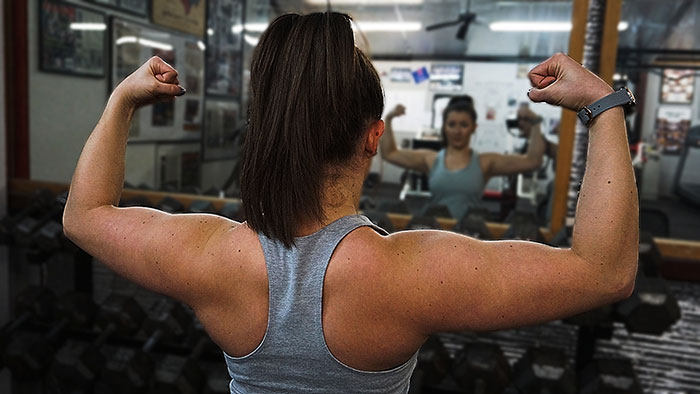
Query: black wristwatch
x=621, y=97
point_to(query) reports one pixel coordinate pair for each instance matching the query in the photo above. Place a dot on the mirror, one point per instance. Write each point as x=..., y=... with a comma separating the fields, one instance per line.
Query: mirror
x=167, y=152
x=658, y=57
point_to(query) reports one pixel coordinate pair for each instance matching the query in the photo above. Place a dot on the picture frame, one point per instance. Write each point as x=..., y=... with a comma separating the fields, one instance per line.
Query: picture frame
x=224, y=55
x=136, y=7
x=186, y=16
x=72, y=39
x=223, y=129
x=672, y=125
x=132, y=44
x=677, y=86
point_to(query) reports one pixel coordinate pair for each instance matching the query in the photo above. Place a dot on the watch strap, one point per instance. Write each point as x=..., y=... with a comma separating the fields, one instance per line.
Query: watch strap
x=620, y=97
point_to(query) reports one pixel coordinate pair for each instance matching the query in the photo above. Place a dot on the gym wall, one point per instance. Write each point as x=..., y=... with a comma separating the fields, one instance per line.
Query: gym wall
x=58, y=127
x=659, y=175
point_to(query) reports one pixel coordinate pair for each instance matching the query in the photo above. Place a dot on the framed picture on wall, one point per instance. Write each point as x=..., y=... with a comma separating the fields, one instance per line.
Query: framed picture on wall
x=71, y=39
x=224, y=48
x=222, y=130
x=132, y=45
x=677, y=86
x=672, y=124
x=185, y=15
x=138, y=7
x=446, y=77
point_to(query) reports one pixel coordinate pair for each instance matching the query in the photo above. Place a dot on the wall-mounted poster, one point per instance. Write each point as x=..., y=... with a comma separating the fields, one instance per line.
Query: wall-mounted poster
x=677, y=86
x=71, y=39
x=672, y=124
x=222, y=130
x=132, y=45
x=138, y=7
x=400, y=74
x=183, y=15
x=224, y=48
x=446, y=77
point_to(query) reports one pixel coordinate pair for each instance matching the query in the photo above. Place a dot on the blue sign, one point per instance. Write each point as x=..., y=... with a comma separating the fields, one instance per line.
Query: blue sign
x=420, y=75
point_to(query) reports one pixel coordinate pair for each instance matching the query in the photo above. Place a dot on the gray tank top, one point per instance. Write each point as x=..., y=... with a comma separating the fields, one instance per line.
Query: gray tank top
x=458, y=190
x=293, y=356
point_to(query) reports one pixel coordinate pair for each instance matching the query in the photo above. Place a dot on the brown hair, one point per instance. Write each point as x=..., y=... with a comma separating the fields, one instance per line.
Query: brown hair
x=313, y=95
x=457, y=106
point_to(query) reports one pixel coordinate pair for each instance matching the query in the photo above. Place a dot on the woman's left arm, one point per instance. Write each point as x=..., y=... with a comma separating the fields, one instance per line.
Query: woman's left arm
x=162, y=252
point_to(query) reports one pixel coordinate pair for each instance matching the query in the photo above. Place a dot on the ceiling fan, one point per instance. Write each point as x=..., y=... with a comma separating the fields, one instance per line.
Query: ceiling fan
x=464, y=20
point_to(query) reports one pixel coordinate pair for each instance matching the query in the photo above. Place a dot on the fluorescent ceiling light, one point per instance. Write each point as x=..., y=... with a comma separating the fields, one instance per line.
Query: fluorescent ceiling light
x=364, y=2
x=541, y=26
x=88, y=26
x=145, y=42
x=250, y=40
x=256, y=27
x=387, y=26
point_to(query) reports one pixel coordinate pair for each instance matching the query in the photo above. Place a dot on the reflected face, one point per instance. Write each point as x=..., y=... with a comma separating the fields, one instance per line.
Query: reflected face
x=459, y=127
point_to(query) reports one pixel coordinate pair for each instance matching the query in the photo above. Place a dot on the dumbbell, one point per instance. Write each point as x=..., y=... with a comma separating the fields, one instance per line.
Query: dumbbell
x=31, y=302
x=394, y=206
x=214, y=192
x=191, y=190
x=380, y=219
x=39, y=201
x=180, y=375
x=233, y=211
x=25, y=228
x=523, y=225
x=651, y=309
x=423, y=223
x=473, y=224
x=138, y=201
x=130, y=370
x=202, y=206
x=434, y=361
x=28, y=355
x=544, y=370
x=79, y=364
x=482, y=368
x=170, y=205
x=437, y=211
x=609, y=376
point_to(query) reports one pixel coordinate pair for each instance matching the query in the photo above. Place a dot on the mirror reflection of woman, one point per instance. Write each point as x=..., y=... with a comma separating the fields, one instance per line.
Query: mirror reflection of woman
x=457, y=174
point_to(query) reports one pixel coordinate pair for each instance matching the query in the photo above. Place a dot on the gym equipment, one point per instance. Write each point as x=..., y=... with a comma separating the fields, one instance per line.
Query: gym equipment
x=144, y=186
x=652, y=308
x=170, y=205
x=654, y=221
x=138, y=201
x=31, y=302
x=24, y=228
x=524, y=226
x=394, y=206
x=191, y=190
x=423, y=223
x=202, y=206
x=609, y=376
x=473, y=224
x=367, y=203
x=40, y=200
x=437, y=211
x=233, y=211
x=434, y=361
x=28, y=356
x=482, y=368
x=650, y=259
x=214, y=192
x=78, y=365
x=180, y=375
x=687, y=188
x=544, y=370
x=380, y=219
x=129, y=371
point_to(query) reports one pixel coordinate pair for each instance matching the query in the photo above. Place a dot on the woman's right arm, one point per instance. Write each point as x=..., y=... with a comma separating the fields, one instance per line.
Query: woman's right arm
x=452, y=282
x=414, y=159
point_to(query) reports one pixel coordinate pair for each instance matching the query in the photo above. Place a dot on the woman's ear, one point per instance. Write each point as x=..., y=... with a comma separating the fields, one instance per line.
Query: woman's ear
x=374, y=134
